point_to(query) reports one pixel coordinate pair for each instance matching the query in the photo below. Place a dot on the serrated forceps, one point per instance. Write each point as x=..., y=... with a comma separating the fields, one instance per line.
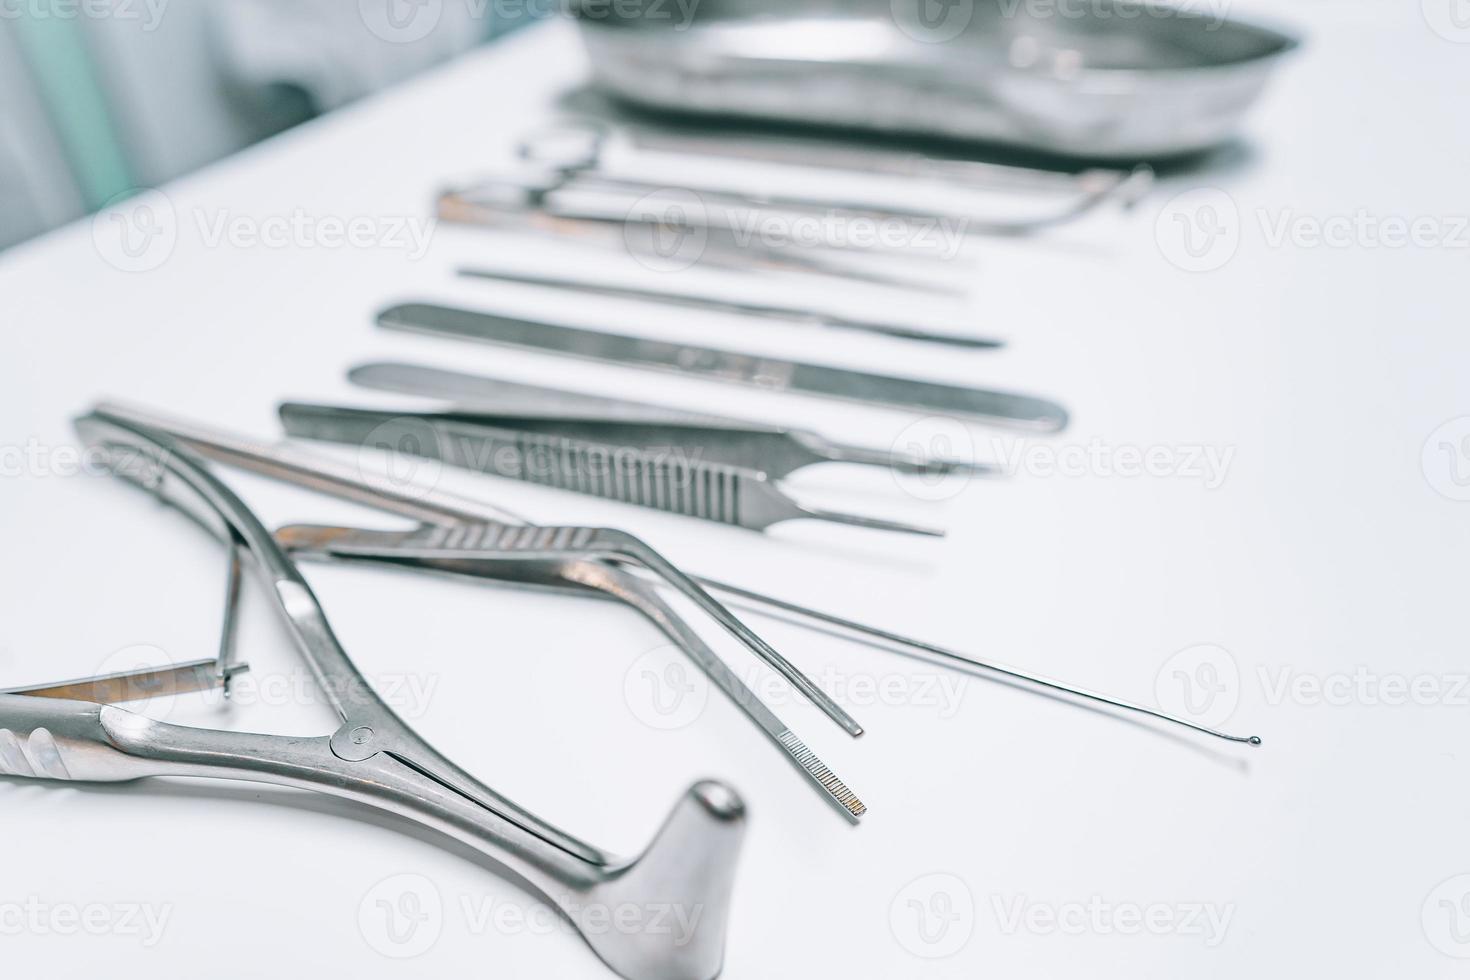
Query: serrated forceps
x=374, y=757
x=491, y=550
x=671, y=475
x=586, y=561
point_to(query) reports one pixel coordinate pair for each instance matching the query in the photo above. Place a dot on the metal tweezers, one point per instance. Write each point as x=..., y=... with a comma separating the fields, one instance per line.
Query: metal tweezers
x=374, y=757
x=433, y=505
x=581, y=560
x=662, y=467
x=512, y=207
x=777, y=451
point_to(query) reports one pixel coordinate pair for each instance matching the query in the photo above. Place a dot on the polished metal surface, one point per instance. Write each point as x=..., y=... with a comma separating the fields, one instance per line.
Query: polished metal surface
x=434, y=505
x=1055, y=197
x=374, y=757
x=671, y=477
x=484, y=550
x=670, y=296
x=138, y=685
x=514, y=205
x=563, y=548
x=1111, y=79
x=774, y=450
x=766, y=373
x=584, y=144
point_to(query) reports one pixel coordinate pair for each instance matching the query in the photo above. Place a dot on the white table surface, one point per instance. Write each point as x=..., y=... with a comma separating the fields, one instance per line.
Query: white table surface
x=1331, y=552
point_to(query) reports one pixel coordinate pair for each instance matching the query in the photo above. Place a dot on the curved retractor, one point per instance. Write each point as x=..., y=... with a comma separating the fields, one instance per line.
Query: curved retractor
x=375, y=758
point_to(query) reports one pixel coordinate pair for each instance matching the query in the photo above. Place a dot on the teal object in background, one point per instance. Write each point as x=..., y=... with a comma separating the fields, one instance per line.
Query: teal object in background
x=96, y=102
x=67, y=84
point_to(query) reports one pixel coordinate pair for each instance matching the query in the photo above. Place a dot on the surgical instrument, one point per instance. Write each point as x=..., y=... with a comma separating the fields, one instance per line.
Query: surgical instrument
x=741, y=307
x=774, y=450
x=509, y=206
x=574, y=148
x=434, y=505
x=486, y=550
x=560, y=544
x=757, y=371
x=498, y=551
x=684, y=215
x=671, y=478
x=739, y=210
x=136, y=685
x=578, y=145
x=375, y=758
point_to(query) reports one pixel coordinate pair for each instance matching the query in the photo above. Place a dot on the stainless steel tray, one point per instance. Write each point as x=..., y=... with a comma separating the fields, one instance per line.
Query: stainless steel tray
x=1084, y=78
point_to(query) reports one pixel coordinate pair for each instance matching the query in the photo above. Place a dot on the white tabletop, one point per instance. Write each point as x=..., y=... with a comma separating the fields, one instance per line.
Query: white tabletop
x=1299, y=545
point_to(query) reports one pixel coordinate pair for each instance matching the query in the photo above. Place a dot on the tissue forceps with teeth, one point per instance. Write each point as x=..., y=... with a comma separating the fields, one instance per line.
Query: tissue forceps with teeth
x=374, y=757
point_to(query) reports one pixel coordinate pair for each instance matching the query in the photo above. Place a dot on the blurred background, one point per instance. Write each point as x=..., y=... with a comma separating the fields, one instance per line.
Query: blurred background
x=98, y=97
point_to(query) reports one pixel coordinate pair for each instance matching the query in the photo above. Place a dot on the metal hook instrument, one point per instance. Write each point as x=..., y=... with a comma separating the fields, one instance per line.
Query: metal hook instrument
x=432, y=505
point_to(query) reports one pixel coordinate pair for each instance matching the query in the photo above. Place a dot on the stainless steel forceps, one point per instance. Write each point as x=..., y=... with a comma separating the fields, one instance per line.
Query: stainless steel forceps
x=374, y=757
x=776, y=451
x=582, y=560
x=513, y=208
x=663, y=472
x=433, y=505
x=492, y=550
